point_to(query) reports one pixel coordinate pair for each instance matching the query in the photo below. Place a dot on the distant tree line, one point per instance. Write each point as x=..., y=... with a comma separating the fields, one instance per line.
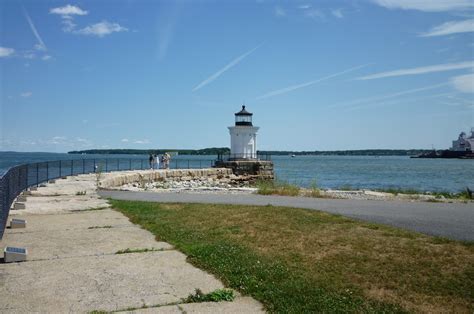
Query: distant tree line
x=358, y=152
x=226, y=150
x=205, y=151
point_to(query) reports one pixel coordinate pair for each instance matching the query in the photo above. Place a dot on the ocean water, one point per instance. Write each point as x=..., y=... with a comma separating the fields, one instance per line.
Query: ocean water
x=359, y=172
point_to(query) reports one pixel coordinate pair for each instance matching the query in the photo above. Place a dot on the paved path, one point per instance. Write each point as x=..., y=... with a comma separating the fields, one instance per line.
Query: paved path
x=73, y=265
x=451, y=220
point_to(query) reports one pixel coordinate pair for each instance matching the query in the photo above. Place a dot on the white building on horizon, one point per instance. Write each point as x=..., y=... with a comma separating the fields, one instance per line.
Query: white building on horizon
x=243, y=136
x=464, y=143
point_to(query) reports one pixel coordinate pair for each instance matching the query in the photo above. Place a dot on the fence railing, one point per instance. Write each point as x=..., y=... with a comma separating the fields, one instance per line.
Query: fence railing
x=19, y=178
x=248, y=156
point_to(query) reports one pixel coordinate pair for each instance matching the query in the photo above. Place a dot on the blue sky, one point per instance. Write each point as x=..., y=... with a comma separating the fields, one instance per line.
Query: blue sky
x=318, y=75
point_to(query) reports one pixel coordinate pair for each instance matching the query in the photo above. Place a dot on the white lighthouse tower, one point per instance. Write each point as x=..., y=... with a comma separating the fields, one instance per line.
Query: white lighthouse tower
x=243, y=137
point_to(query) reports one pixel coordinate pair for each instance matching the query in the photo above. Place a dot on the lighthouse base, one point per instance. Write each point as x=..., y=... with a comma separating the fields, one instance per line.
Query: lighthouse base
x=259, y=169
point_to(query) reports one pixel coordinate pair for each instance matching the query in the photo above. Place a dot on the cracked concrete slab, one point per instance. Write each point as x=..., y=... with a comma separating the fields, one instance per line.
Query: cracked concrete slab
x=60, y=204
x=56, y=244
x=71, y=221
x=108, y=282
x=238, y=306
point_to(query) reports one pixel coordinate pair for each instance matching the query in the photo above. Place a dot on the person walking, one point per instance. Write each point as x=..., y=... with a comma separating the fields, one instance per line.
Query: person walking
x=157, y=161
x=150, y=160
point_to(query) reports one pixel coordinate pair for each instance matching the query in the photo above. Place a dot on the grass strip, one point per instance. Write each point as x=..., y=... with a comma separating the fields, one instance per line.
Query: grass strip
x=299, y=261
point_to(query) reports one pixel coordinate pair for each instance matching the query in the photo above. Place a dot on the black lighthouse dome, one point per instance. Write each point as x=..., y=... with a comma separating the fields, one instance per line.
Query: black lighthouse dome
x=243, y=117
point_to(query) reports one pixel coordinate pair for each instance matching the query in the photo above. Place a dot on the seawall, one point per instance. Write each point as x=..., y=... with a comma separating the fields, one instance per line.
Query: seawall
x=117, y=179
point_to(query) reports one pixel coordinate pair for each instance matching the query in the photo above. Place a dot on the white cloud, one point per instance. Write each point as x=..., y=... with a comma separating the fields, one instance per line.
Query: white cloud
x=314, y=14
x=279, y=12
x=68, y=10
x=40, y=45
x=294, y=87
x=6, y=52
x=124, y=140
x=46, y=57
x=29, y=55
x=453, y=27
x=26, y=94
x=68, y=25
x=421, y=70
x=337, y=13
x=67, y=13
x=304, y=6
x=225, y=68
x=464, y=83
x=426, y=5
x=101, y=29
x=145, y=141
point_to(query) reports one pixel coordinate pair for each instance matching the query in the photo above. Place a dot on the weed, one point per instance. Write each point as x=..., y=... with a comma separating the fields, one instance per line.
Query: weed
x=128, y=250
x=276, y=187
x=214, y=296
x=100, y=227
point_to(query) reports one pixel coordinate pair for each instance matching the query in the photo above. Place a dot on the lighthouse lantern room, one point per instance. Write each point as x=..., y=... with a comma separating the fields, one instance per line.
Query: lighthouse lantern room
x=243, y=137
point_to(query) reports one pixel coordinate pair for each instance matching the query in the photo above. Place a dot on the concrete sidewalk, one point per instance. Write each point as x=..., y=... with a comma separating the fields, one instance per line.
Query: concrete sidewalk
x=73, y=266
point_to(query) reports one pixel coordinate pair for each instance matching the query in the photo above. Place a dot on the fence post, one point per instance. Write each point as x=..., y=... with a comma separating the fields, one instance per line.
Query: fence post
x=200, y=164
x=94, y=165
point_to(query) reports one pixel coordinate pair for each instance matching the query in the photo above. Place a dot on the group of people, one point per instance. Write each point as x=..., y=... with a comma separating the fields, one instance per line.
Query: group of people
x=156, y=161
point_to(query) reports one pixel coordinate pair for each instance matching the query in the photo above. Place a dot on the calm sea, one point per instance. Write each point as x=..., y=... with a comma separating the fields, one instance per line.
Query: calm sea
x=326, y=171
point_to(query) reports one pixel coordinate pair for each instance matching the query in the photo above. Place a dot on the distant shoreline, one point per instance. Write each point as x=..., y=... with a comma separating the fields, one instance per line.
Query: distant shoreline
x=225, y=150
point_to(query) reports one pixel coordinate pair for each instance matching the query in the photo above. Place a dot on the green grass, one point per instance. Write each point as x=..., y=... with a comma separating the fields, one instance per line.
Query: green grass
x=276, y=187
x=300, y=261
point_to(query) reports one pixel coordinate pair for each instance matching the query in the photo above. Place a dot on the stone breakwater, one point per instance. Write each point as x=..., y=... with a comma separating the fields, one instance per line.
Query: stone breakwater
x=211, y=179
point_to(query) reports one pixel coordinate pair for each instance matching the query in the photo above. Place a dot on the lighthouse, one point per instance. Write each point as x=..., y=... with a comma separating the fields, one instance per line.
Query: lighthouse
x=243, y=137
x=243, y=159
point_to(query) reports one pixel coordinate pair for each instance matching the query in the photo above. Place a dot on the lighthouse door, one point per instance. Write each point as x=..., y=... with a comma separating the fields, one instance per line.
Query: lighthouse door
x=250, y=149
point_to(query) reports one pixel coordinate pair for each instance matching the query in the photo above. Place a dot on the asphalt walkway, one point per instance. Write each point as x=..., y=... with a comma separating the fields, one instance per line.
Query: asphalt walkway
x=450, y=220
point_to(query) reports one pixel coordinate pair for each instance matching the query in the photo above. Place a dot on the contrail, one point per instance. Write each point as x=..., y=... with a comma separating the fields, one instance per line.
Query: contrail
x=42, y=46
x=421, y=70
x=388, y=96
x=227, y=67
x=294, y=87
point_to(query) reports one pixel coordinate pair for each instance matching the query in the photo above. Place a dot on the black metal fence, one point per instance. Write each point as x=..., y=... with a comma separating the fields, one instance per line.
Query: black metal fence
x=18, y=178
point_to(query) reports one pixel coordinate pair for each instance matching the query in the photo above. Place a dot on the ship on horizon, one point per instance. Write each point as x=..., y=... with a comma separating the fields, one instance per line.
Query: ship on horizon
x=462, y=148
